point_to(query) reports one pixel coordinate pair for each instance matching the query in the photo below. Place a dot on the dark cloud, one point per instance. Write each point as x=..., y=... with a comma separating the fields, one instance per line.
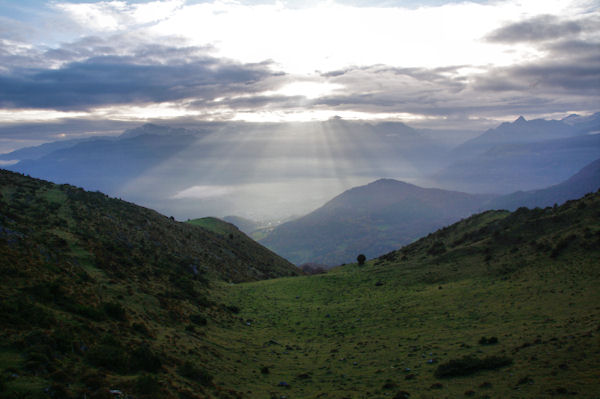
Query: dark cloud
x=572, y=68
x=93, y=72
x=568, y=78
x=541, y=28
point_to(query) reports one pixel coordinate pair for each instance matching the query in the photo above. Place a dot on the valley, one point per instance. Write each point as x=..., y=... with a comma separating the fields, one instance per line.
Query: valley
x=267, y=199
x=499, y=304
x=378, y=330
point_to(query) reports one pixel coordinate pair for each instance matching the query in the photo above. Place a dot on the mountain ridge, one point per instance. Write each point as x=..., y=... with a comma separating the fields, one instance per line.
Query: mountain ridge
x=369, y=219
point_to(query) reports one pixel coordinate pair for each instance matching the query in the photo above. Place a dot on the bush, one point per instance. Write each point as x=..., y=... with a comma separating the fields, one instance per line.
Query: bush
x=110, y=357
x=115, y=311
x=148, y=386
x=198, y=319
x=562, y=245
x=361, y=259
x=190, y=371
x=89, y=312
x=488, y=341
x=470, y=365
x=142, y=358
x=437, y=248
x=233, y=309
x=140, y=328
x=22, y=312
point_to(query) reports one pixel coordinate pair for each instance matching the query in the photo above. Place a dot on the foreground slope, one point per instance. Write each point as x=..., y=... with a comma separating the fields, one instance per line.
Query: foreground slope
x=371, y=219
x=97, y=293
x=514, y=293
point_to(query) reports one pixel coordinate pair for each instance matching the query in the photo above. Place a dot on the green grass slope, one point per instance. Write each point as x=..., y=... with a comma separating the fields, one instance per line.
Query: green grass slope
x=99, y=294
x=499, y=305
x=215, y=225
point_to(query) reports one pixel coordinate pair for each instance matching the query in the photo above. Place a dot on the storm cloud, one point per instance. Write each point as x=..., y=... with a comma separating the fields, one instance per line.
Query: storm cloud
x=139, y=77
x=180, y=62
x=540, y=28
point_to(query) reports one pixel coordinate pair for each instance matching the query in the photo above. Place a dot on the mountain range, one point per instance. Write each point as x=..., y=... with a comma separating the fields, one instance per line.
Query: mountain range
x=274, y=171
x=380, y=216
x=522, y=155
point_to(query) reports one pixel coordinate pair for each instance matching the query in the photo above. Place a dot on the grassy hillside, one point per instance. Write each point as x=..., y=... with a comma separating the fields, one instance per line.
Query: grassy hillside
x=515, y=293
x=499, y=305
x=101, y=294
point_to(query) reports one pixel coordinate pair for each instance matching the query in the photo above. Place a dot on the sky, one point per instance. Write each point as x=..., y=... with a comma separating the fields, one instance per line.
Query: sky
x=87, y=67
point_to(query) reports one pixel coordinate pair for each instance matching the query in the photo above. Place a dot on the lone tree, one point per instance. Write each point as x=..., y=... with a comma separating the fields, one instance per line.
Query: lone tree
x=361, y=259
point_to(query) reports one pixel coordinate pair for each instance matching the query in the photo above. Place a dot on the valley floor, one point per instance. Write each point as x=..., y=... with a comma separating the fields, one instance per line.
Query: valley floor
x=378, y=331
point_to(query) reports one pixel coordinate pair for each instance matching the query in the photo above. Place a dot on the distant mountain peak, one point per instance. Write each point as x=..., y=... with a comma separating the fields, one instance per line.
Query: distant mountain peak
x=153, y=129
x=387, y=180
x=520, y=119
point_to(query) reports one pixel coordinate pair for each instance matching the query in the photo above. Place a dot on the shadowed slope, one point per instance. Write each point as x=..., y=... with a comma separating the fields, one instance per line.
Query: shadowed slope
x=97, y=293
x=370, y=219
x=585, y=181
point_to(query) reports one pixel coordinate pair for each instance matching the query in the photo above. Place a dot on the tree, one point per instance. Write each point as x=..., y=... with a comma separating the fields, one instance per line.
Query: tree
x=361, y=259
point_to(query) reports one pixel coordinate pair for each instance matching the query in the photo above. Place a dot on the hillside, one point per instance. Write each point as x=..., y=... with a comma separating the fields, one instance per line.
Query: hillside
x=585, y=181
x=97, y=293
x=371, y=219
x=499, y=305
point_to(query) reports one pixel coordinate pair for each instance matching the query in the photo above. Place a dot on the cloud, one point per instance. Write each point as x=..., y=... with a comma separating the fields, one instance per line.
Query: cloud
x=101, y=74
x=204, y=192
x=176, y=60
x=118, y=15
x=540, y=28
x=567, y=79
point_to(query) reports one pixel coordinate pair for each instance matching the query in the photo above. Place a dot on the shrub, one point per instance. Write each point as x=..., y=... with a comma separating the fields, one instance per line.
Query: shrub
x=89, y=312
x=148, y=386
x=437, y=248
x=233, y=309
x=361, y=259
x=115, y=311
x=142, y=358
x=140, y=328
x=561, y=245
x=190, y=371
x=198, y=319
x=470, y=365
x=488, y=341
x=22, y=312
x=110, y=357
